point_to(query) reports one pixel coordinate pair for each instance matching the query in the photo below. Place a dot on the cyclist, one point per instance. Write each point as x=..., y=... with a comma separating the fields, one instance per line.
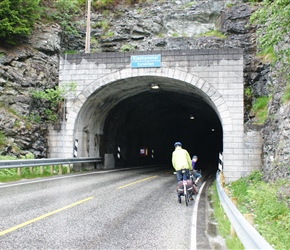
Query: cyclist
x=195, y=173
x=180, y=160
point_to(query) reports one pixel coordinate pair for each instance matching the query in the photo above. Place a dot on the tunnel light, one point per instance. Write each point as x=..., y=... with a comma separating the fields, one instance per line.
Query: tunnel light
x=212, y=130
x=154, y=86
x=191, y=117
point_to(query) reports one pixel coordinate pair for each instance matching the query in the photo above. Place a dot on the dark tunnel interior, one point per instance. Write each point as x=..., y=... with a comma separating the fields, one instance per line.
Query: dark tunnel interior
x=142, y=129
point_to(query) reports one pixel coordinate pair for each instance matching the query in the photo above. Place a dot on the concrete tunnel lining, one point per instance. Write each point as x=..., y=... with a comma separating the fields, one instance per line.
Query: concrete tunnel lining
x=96, y=119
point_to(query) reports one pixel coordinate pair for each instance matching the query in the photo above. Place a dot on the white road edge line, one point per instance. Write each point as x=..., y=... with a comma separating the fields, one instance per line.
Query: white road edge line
x=194, y=220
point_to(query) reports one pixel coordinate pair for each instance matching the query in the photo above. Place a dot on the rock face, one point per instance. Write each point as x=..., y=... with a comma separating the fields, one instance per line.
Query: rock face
x=23, y=69
x=169, y=25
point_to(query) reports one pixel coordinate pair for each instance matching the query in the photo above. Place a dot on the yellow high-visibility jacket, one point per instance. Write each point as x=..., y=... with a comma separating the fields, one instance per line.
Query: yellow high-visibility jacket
x=181, y=159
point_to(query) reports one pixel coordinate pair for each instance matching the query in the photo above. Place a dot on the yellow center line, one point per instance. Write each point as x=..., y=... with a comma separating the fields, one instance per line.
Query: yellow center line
x=132, y=183
x=43, y=216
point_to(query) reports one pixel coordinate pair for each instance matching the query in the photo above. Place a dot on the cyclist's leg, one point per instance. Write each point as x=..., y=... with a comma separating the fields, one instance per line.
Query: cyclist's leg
x=197, y=176
x=179, y=176
x=187, y=174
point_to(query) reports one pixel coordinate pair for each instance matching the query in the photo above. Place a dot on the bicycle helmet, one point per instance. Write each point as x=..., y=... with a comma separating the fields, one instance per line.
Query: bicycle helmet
x=177, y=144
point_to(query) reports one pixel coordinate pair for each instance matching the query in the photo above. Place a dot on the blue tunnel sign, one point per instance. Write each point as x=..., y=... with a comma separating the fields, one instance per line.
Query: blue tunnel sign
x=146, y=61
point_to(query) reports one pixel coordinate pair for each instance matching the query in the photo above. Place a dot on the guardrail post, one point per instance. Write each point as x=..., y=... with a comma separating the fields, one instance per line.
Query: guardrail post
x=31, y=170
x=51, y=169
x=60, y=170
x=68, y=168
x=19, y=171
x=235, y=201
x=226, y=190
x=250, y=218
x=41, y=169
x=222, y=178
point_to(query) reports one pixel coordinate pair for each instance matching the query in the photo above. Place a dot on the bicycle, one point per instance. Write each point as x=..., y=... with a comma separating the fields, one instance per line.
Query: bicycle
x=185, y=189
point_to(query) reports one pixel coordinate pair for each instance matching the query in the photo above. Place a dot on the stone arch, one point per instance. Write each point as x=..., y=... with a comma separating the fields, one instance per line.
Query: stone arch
x=219, y=103
x=76, y=105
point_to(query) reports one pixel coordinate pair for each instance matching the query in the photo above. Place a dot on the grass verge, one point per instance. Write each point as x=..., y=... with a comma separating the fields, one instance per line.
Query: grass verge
x=223, y=224
x=11, y=174
x=268, y=202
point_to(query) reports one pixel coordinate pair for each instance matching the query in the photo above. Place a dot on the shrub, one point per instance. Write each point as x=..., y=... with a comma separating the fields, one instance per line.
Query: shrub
x=65, y=14
x=127, y=47
x=17, y=18
x=54, y=98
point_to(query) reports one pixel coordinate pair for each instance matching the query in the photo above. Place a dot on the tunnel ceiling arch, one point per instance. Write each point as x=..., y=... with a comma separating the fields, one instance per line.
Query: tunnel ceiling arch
x=129, y=114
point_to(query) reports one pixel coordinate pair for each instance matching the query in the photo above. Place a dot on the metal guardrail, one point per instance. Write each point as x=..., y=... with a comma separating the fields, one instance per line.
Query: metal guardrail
x=46, y=162
x=247, y=234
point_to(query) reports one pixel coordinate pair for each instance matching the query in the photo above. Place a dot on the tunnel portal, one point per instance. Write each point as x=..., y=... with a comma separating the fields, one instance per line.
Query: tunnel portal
x=115, y=113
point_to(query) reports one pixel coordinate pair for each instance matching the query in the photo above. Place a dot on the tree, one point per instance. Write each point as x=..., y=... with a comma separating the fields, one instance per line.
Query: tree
x=17, y=18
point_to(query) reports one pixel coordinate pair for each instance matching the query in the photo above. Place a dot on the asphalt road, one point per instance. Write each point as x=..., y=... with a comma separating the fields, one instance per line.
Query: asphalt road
x=128, y=209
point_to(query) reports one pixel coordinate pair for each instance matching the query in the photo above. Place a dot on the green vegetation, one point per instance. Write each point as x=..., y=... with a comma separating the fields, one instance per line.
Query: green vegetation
x=101, y=4
x=65, y=14
x=11, y=174
x=108, y=4
x=54, y=98
x=260, y=109
x=248, y=91
x=174, y=35
x=94, y=45
x=268, y=203
x=223, y=224
x=104, y=25
x=286, y=95
x=70, y=52
x=213, y=33
x=2, y=140
x=17, y=18
x=273, y=20
x=108, y=34
x=188, y=5
x=127, y=47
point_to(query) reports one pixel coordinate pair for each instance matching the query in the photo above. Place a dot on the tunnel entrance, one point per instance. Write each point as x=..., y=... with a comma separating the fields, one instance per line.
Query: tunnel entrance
x=152, y=120
x=115, y=113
